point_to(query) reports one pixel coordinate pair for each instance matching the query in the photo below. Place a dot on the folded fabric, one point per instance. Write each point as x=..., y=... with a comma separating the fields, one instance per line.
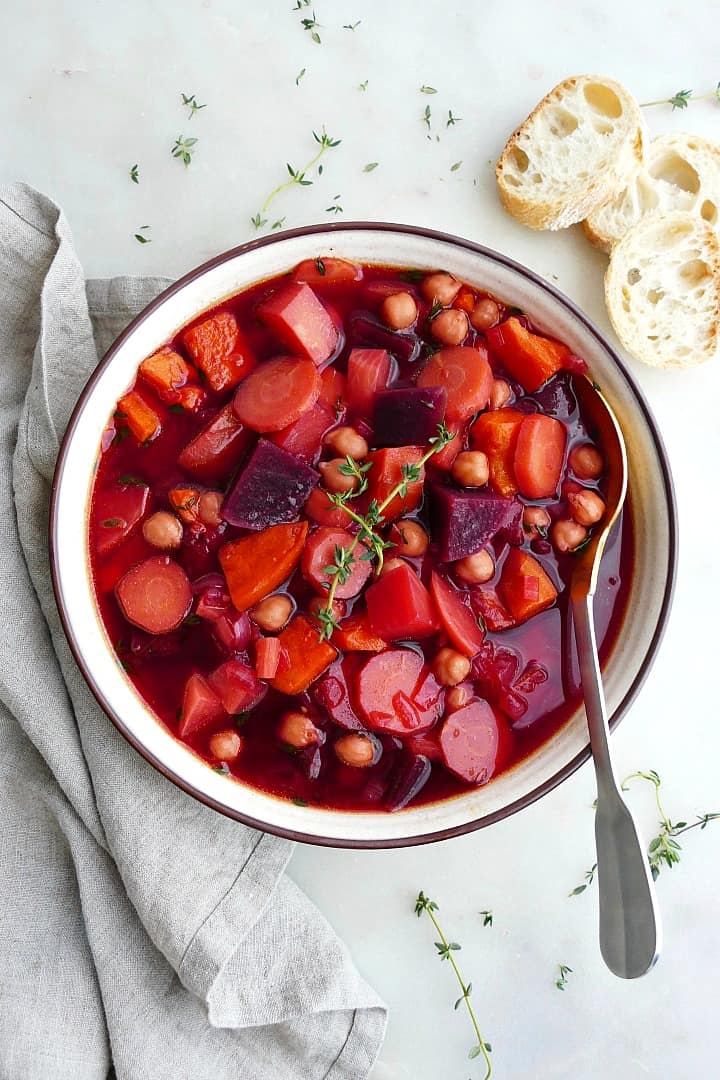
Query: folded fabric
x=139, y=929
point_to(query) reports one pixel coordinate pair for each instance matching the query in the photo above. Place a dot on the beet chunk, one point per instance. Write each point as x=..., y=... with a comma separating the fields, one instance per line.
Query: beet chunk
x=271, y=490
x=410, y=773
x=409, y=417
x=465, y=521
x=557, y=396
x=366, y=331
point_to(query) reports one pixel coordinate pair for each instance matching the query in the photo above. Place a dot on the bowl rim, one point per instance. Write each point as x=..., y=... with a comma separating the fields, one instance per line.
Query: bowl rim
x=670, y=582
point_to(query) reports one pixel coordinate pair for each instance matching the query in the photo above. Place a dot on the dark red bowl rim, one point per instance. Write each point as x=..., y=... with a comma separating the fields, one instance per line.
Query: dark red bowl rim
x=561, y=774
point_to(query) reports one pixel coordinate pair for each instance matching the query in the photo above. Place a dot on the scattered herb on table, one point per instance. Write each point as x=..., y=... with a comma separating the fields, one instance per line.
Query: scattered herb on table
x=135, y=175
x=352, y=26
x=487, y=918
x=371, y=165
x=299, y=76
x=445, y=950
x=192, y=103
x=681, y=99
x=139, y=235
x=456, y=166
x=277, y=224
x=183, y=150
x=428, y=90
x=426, y=117
x=589, y=878
x=297, y=176
x=451, y=120
x=561, y=981
x=364, y=85
x=335, y=208
x=312, y=26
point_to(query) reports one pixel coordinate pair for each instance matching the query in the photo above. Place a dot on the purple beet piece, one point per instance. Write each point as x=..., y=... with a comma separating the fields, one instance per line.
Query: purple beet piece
x=271, y=489
x=410, y=416
x=465, y=521
x=557, y=397
x=409, y=775
x=512, y=532
x=366, y=331
x=332, y=694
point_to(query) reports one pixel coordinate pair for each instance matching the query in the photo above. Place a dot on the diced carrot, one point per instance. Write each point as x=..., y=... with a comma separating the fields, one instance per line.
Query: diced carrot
x=303, y=657
x=368, y=371
x=356, y=635
x=255, y=565
x=524, y=586
x=488, y=606
x=319, y=553
x=466, y=375
x=184, y=502
x=277, y=393
x=465, y=300
x=144, y=422
x=220, y=351
x=326, y=270
x=530, y=358
x=539, y=456
x=333, y=391
x=303, y=438
x=387, y=472
x=166, y=372
x=156, y=595
x=458, y=620
x=191, y=398
x=218, y=448
x=300, y=321
x=496, y=434
x=267, y=657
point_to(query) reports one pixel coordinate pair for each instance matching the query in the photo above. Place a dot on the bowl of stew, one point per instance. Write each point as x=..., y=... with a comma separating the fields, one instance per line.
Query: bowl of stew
x=313, y=526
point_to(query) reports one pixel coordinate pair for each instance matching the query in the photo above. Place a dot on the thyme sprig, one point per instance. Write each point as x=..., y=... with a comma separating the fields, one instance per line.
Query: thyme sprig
x=192, y=103
x=373, y=517
x=487, y=918
x=445, y=950
x=134, y=174
x=681, y=99
x=297, y=176
x=184, y=150
x=561, y=981
x=312, y=26
x=589, y=878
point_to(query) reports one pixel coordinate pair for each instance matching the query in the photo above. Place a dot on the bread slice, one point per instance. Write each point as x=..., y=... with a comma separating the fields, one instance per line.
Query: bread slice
x=680, y=172
x=662, y=290
x=573, y=153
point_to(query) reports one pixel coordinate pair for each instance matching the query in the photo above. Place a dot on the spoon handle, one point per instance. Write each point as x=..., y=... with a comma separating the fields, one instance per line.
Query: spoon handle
x=630, y=932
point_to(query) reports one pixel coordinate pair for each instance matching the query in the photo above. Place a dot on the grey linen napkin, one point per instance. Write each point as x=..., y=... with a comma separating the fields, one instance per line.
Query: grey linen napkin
x=138, y=929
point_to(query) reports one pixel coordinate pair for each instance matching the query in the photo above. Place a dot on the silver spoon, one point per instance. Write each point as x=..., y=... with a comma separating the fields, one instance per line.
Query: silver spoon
x=630, y=931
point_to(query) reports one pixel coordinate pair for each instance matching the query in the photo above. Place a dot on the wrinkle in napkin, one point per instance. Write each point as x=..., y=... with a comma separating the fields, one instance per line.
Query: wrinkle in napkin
x=139, y=930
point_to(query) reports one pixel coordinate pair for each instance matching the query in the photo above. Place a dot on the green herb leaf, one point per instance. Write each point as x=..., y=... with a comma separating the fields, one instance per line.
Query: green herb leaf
x=299, y=76
x=371, y=165
x=335, y=208
x=134, y=174
x=352, y=26
x=451, y=120
x=127, y=480
x=363, y=85
x=487, y=918
x=426, y=117
x=428, y=90
x=299, y=802
x=184, y=149
x=192, y=103
x=112, y=523
x=143, y=239
x=456, y=166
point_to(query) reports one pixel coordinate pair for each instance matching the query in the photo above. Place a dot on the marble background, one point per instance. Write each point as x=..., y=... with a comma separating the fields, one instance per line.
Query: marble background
x=91, y=87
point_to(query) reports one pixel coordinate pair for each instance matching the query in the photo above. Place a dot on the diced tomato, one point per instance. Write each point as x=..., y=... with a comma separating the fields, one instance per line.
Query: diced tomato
x=524, y=586
x=444, y=458
x=304, y=437
x=236, y=685
x=368, y=371
x=184, y=501
x=489, y=607
x=333, y=391
x=458, y=620
x=191, y=398
x=166, y=372
x=303, y=657
x=530, y=358
x=539, y=455
x=356, y=635
x=156, y=595
x=475, y=742
x=326, y=270
x=267, y=657
x=385, y=475
x=319, y=509
x=496, y=434
x=397, y=693
x=117, y=512
x=277, y=393
x=201, y=707
x=399, y=606
x=466, y=375
x=465, y=300
x=143, y=420
x=300, y=321
x=255, y=565
x=220, y=351
x=218, y=448
x=333, y=692
x=319, y=554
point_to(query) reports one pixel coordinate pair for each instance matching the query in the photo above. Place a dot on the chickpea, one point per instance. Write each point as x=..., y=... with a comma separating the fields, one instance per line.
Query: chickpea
x=226, y=745
x=456, y=697
x=391, y=564
x=586, y=507
x=163, y=530
x=500, y=394
x=471, y=468
x=409, y=538
x=450, y=327
x=568, y=534
x=209, y=506
x=450, y=667
x=356, y=750
x=339, y=607
x=485, y=314
x=334, y=478
x=399, y=310
x=535, y=518
x=586, y=462
x=297, y=729
x=476, y=569
x=273, y=612
x=440, y=288
x=347, y=441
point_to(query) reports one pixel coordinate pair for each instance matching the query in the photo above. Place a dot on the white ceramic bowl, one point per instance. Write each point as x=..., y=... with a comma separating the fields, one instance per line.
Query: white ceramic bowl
x=652, y=506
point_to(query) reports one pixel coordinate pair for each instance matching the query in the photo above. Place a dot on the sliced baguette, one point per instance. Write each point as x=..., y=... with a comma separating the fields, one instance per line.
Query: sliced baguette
x=575, y=151
x=662, y=290
x=680, y=172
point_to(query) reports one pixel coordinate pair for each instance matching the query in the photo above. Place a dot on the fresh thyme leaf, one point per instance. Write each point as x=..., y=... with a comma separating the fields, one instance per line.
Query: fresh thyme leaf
x=299, y=76
x=487, y=918
x=258, y=221
x=412, y=275
x=192, y=620
x=428, y=90
x=277, y=224
x=434, y=310
x=183, y=150
x=364, y=85
x=451, y=120
x=561, y=981
x=426, y=116
x=191, y=101
x=299, y=802
x=681, y=99
x=311, y=25
x=370, y=166
x=320, y=266
x=456, y=166
x=134, y=174
x=221, y=769
x=112, y=523
x=352, y=26
x=298, y=176
x=589, y=878
x=335, y=208
x=143, y=239
x=176, y=409
x=130, y=481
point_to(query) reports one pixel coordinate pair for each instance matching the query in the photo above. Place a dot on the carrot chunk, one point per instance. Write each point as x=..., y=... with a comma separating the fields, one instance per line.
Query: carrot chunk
x=220, y=350
x=184, y=502
x=356, y=635
x=320, y=550
x=524, y=586
x=277, y=393
x=496, y=434
x=539, y=456
x=387, y=472
x=368, y=371
x=156, y=595
x=255, y=565
x=267, y=657
x=166, y=372
x=303, y=657
x=326, y=271
x=466, y=375
x=530, y=358
x=143, y=421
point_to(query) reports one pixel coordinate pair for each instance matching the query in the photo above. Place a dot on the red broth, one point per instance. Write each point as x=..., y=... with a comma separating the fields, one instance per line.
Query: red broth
x=527, y=672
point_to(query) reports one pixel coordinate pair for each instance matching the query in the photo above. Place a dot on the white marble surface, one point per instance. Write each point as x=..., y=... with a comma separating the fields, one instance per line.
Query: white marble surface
x=89, y=88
